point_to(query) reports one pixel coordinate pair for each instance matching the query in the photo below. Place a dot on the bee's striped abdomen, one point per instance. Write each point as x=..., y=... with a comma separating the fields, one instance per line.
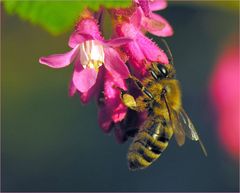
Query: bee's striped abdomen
x=148, y=145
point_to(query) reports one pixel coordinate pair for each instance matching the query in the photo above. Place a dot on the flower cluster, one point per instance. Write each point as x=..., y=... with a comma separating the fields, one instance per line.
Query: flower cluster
x=101, y=66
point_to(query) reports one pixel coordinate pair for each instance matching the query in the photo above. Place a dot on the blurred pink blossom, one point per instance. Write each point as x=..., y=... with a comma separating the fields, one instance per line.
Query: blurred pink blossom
x=225, y=93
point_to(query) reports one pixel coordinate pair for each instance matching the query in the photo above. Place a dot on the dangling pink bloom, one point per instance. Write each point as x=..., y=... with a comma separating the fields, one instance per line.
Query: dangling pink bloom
x=90, y=51
x=225, y=93
x=99, y=65
x=112, y=110
x=152, y=22
x=151, y=5
x=141, y=50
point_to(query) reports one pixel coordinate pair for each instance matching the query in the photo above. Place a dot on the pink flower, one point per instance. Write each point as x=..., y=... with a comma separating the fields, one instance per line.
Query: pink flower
x=90, y=51
x=225, y=93
x=111, y=109
x=141, y=50
x=151, y=5
x=153, y=23
x=99, y=65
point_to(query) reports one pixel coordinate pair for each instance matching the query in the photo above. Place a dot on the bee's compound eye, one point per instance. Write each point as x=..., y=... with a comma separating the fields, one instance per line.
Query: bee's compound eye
x=163, y=70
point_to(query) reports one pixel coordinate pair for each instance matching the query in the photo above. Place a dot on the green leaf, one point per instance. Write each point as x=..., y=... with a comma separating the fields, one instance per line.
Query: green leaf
x=57, y=16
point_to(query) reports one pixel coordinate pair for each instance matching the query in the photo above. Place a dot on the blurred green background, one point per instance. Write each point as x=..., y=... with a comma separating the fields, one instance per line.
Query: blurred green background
x=50, y=142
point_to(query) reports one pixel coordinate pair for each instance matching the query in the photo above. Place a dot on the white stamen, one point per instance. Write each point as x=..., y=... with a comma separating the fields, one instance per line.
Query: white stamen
x=91, y=54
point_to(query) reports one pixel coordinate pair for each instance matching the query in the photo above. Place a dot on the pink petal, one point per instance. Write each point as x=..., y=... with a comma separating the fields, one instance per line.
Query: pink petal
x=114, y=63
x=60, y=60
x=95, y=89
x=89, y=26
x=151, y=51
x=135, y=52
x=84, y=79
x=112, y=97
x=72, y=89
x=110, y=84
x=141, y=48
x=144, y=4
x=132, y=49
x=153, y=26
x=87, y=96
x=136, y=18
x=104, y=119
x=157, y=5
x=112, y=110
x=127, y=30
x=157, y=25
x=116, y=42
x=78, y=38
x=119, y=112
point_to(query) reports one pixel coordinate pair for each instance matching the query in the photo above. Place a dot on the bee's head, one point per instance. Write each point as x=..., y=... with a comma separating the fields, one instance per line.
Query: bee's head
x=162, y=71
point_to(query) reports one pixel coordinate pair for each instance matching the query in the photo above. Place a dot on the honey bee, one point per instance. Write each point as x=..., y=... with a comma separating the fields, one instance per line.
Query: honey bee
x=161, y=99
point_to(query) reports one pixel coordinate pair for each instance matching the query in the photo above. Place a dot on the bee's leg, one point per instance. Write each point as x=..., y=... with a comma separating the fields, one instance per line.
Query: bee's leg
x=141, y=87
x=128, y=127
x=131, y=132
x=123, y=134
x=128, y=100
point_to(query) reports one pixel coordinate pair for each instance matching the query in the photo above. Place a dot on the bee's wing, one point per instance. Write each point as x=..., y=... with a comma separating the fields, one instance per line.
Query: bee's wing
x=177, y=126
x=187, y=125
x=182, y=125
x=189, y=128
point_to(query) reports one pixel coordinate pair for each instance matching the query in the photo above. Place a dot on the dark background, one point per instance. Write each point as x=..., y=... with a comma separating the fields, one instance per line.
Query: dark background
x=51, y=142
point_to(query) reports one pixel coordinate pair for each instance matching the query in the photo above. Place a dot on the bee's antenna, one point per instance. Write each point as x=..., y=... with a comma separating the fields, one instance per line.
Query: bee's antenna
x=168, y=50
